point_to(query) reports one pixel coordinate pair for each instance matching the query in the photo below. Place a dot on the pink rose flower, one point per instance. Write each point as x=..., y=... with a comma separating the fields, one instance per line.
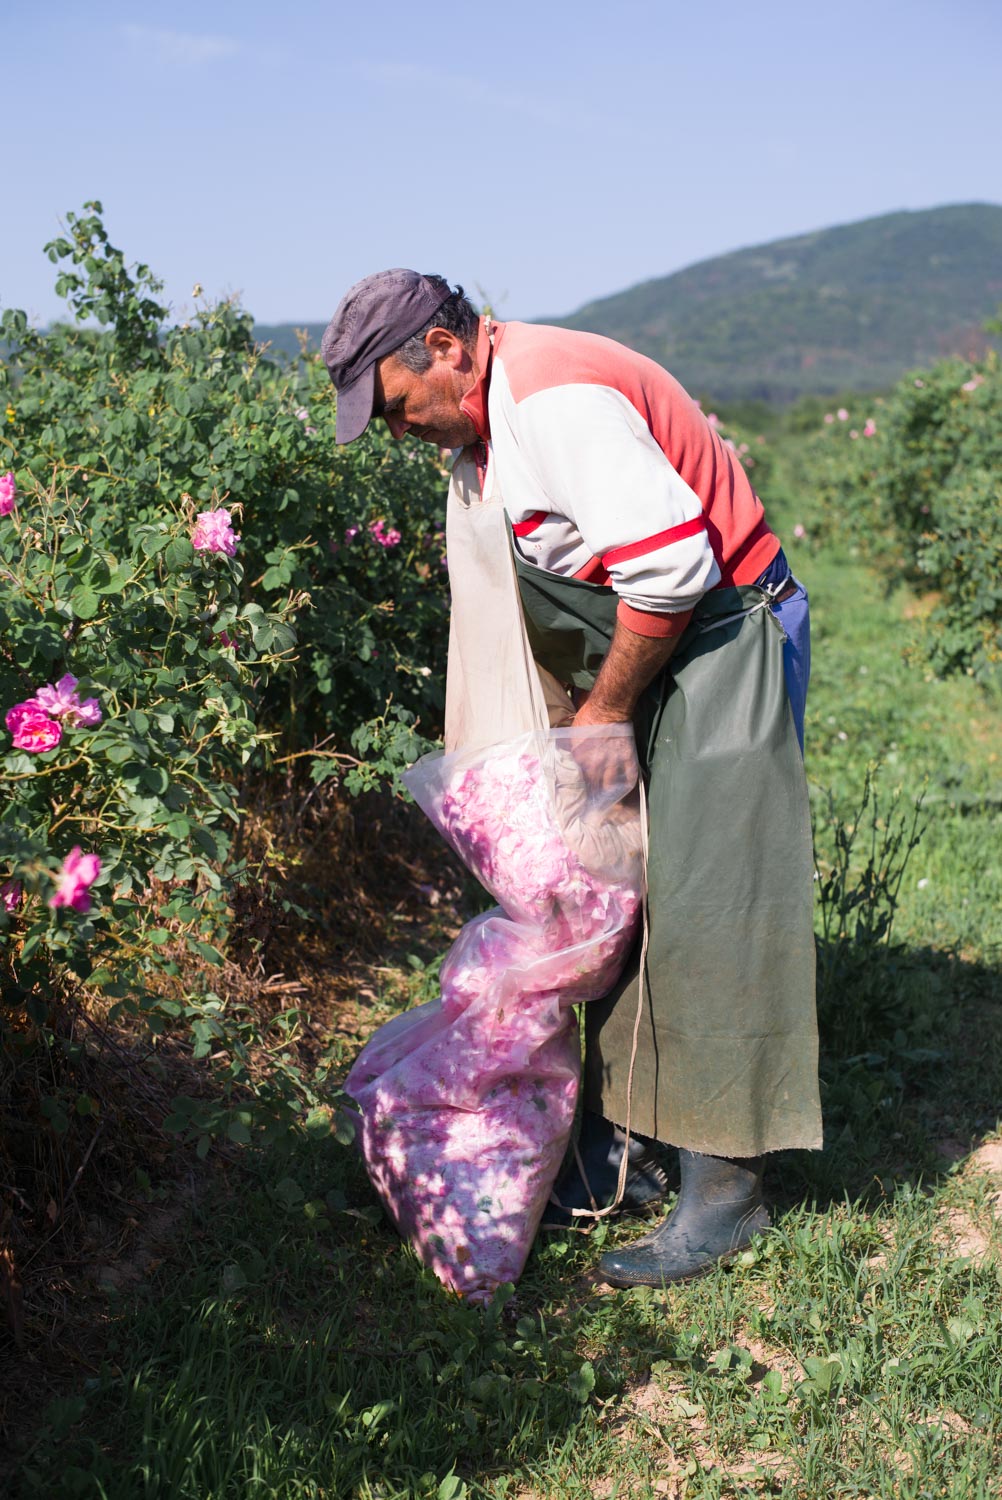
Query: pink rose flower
x=870, y=428
x=10, y=896
x=78, y=873
x=32, y=728
x=351, y=533
x=799, y=532
x=87, y=714
x=385, y=538
x=213, y=532
x=829, y=416
x=842, y=414
x=62, y=701
x=21, y=711
x=8, y=494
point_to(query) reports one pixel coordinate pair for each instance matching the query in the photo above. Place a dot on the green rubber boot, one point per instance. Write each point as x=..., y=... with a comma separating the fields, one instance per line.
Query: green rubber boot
x=719, y=1209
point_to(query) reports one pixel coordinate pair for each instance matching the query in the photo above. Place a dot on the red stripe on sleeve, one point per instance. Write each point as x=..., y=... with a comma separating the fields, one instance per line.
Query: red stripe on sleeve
x=642, y=622
x=522, y=528
x=652, y=543
x=593, y=572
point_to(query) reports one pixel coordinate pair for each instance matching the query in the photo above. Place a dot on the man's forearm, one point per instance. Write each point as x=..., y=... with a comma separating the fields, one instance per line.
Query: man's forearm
x=631, y=662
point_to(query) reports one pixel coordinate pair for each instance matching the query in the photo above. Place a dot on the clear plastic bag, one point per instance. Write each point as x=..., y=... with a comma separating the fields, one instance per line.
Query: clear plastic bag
x=467, y=1103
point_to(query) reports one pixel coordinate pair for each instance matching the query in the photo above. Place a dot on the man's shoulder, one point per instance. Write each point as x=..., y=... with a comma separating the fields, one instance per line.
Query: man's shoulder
x=536, y=357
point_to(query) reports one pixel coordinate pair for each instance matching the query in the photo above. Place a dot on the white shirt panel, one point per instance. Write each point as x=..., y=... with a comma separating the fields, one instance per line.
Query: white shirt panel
x=584, y=454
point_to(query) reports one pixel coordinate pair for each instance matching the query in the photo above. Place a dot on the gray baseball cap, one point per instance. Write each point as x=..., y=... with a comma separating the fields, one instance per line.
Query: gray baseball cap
x=374, y=318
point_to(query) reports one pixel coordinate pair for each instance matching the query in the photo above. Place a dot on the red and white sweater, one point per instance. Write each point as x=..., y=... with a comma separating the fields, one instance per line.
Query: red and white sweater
x=610, y=472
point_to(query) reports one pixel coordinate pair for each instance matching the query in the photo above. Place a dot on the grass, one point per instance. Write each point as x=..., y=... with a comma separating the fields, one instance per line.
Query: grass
x=278, y=1340
x=290, y=1347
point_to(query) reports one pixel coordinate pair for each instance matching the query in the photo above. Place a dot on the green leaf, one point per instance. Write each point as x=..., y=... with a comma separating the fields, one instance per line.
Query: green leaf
x=582, y=1382
x=317, y=1123
x=84, y=602
x=683, y=1408
x=822, y=1373
x=178, y=554
x=205, y=950
x=452, y=1488
x=289, y=1193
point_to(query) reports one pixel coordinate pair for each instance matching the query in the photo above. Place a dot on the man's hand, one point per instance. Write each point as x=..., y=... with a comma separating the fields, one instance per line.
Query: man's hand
x=631, y=662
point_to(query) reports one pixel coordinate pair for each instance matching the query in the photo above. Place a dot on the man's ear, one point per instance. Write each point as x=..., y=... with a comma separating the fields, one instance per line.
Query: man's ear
x=445, y=346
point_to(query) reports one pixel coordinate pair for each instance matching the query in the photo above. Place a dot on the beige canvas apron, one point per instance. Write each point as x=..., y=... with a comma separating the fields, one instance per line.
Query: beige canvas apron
x=495, y=690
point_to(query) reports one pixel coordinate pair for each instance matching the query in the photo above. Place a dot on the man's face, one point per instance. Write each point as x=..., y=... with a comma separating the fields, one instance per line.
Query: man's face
x=427, y=406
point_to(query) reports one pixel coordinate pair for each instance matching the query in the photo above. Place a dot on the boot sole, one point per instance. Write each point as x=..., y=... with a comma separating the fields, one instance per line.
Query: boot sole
x=622, y=1285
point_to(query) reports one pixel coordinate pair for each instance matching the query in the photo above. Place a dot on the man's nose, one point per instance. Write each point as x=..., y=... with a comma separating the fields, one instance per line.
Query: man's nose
x=396, y=424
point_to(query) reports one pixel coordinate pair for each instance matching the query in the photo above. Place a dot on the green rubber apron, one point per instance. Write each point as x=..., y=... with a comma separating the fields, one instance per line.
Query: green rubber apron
x=727, y=1056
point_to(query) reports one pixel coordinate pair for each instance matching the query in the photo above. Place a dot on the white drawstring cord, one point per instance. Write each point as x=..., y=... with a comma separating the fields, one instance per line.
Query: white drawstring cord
x=624, y=1166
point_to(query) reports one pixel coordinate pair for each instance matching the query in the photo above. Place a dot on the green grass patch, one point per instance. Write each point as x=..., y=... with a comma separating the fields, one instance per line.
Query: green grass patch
x=295, y=1348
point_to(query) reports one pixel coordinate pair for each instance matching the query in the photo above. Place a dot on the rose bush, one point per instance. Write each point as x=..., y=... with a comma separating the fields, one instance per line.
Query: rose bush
x=912, y=480
x=126, y=726
x=143, y=409
x=173, y=514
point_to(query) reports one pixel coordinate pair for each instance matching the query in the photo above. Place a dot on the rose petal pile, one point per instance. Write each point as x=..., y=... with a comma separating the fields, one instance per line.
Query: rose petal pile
x=213, y=532
x=467, y=1103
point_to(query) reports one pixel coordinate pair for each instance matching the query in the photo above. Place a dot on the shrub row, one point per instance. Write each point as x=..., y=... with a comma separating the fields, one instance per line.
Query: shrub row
x=912, y=481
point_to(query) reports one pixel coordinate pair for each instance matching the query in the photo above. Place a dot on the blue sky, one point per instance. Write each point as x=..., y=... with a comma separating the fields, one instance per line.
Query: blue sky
x=542, y=154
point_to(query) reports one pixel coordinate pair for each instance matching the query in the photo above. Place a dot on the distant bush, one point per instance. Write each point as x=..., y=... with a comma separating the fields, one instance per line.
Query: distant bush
x=913, y=482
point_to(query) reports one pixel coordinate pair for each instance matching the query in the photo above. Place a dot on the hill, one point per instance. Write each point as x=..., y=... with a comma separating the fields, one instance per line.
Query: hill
x=847, y=308
x=850, y=308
